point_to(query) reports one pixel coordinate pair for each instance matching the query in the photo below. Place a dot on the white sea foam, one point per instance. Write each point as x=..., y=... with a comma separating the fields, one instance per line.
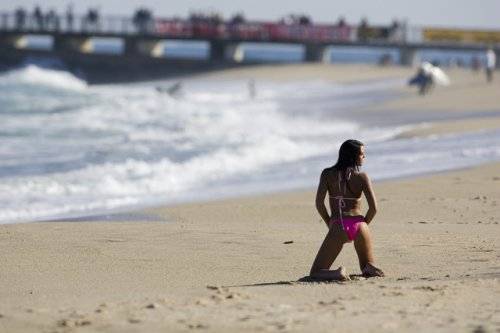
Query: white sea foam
x=95, y=149
x=34, y=75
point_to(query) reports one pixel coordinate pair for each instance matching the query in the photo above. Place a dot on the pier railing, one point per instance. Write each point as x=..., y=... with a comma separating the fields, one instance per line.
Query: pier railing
x=213, y=30
x=108, y=25
x=117, y=26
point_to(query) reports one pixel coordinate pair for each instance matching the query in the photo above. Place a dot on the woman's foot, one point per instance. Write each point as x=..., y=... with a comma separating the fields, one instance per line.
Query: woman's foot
x=372, y=271
x=342, y=274
x=339, y=274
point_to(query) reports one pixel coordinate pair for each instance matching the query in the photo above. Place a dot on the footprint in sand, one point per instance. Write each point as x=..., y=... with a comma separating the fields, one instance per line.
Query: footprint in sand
x=479, y=329
x=429, y=288
x=393, y=293
x=152, y=306
x=223, y=293
x=428, y=279
x=134, y=320
x=73, y=322
x=215, y=288
x=197, y=326
x=324, y=303
x=114, y=240
x=280, y=326
x=203, y=302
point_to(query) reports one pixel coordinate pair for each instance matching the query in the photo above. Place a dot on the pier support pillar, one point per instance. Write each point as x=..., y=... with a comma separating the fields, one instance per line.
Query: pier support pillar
x=150, y=47
x=407, y=56
x=316, y=53
x=73, y=44
x=217, y=50
x=234, y=52
x=14, y=41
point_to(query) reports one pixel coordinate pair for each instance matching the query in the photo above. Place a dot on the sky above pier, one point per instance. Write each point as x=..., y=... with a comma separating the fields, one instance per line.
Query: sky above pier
x=446, y=13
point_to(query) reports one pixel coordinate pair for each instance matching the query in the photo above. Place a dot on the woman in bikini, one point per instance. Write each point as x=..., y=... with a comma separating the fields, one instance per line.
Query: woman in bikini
x=345, y=184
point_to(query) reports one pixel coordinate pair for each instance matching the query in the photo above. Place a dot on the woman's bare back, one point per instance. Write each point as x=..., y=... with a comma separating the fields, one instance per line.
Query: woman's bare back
x=350, y=190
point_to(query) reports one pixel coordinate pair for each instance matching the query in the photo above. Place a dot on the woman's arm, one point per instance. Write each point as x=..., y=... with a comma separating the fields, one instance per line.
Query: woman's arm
x=370, y=197
x=320, y=198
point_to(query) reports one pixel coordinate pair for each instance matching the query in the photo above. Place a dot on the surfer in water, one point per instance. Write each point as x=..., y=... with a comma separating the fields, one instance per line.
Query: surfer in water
x=174, y=90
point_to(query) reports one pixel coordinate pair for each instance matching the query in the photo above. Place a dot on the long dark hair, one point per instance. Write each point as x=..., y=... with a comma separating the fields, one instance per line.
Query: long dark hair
x=348, y=156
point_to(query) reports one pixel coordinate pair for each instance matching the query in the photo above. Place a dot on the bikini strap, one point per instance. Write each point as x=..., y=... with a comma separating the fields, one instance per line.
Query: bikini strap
x=340, y=198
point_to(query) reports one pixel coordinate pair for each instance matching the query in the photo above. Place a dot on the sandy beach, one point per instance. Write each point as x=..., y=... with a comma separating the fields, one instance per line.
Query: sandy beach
x=236, y=264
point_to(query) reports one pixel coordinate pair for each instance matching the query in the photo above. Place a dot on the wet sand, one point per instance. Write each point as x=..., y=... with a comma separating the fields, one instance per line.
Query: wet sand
x=235, y=265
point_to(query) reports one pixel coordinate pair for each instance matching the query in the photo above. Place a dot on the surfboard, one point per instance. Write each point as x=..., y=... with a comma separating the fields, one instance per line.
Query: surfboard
x=439, y=77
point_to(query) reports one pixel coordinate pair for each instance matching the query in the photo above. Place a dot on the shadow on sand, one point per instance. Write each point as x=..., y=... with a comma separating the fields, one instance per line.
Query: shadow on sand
x=303, y=280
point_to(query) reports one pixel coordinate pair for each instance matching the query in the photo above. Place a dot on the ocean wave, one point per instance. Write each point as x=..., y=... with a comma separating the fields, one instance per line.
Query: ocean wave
x=38, y=76
x=72, y=152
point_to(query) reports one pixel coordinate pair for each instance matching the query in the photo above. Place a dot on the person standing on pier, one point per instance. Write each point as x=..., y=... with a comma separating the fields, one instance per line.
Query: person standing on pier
x=491, y=61
x=20, y=16
x=38, y=16
x=69, y=17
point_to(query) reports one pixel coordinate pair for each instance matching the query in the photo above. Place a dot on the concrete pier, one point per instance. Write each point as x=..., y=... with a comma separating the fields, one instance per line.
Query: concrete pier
x=221, y=51
x=234, y=52
x=217, y=50
x=13, y=41
x=316, y=53
x=144, y=47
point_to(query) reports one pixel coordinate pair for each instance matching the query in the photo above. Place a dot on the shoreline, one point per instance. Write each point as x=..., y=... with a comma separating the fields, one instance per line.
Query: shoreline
x=145, y=213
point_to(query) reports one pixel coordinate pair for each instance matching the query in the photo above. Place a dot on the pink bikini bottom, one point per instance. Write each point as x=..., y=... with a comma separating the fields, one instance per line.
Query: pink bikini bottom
x=350, y=224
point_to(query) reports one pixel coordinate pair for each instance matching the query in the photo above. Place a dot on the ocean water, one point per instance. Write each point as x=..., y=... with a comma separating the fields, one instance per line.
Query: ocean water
x=69, y=149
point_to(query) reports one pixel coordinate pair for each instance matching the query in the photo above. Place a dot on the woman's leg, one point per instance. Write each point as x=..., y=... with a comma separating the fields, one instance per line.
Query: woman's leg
x=364, y=249
x=328, y=252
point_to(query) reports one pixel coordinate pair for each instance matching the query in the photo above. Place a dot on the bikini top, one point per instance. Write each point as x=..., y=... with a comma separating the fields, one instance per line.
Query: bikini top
x=340, y=198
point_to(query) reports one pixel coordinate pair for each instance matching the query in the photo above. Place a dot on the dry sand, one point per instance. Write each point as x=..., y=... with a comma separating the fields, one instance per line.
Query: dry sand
x=228, y=265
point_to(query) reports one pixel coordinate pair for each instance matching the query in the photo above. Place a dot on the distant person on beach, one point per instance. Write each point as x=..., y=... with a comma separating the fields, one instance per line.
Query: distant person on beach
x=423, y=79
x=491, y=61
x=428, y=76
x=345, y=185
